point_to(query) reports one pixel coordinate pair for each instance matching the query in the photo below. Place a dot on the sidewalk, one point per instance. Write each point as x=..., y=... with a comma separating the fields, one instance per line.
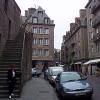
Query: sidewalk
x=37, y=89
x=95, y=82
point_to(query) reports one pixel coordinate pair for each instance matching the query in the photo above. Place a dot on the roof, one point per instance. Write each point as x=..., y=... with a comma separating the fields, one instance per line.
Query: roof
x=92, y=61
x=88, y=3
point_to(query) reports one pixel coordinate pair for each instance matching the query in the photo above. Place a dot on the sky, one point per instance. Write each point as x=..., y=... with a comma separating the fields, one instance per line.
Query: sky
x=63, y=12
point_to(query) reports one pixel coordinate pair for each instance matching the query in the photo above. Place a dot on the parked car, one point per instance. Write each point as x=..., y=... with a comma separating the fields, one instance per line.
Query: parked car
x=53, y=72
x=36, y=72
x=73, y=85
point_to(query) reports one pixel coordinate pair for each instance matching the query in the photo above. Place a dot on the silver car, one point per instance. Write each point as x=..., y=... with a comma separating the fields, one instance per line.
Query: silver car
x=53, y=72
x=73, y=85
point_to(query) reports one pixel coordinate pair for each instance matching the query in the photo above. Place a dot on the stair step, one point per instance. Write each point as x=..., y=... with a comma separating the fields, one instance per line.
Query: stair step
x=5, y=82
x=17, y=95
x=9, y=60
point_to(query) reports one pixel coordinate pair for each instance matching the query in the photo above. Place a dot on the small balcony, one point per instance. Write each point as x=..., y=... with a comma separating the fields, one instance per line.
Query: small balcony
x=96, y=37
x=96, y=21
x=95, y=7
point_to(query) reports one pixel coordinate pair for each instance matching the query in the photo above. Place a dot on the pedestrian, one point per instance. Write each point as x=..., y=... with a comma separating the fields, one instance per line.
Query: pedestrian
x=11, y=80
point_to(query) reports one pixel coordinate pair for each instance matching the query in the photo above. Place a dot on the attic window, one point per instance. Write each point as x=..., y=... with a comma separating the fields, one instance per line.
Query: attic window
x=35, y=20
x=40, y=12
x=46, y=20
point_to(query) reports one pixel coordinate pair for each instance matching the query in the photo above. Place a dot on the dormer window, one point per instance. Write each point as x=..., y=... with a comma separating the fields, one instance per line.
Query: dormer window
x=46, y=20
x=40, y=12
x=35, y=20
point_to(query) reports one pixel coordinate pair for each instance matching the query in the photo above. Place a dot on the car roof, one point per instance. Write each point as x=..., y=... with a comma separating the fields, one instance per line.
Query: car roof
x=55, y=67
x=65, y=72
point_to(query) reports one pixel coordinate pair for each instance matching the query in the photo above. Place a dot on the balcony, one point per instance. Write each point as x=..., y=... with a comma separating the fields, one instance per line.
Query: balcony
x=95, y=7
x=96, y=21
x=96, y=37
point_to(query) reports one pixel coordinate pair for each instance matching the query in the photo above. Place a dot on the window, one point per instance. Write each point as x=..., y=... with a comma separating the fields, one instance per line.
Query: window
x=40, y=52
x=97, y=30
x=35, y=20
x=90, y=22
x=97, y=47
x=92, y=35
x=40, y=41
x=35, y=30
x=46, y=42
x=40, y=30
x=35, y=41
x=46, y=31
x=46, y=52
x=40, y=13
x=46, y=20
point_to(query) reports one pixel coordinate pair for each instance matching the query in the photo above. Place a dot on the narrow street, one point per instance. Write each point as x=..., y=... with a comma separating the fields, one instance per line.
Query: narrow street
x=40, y=89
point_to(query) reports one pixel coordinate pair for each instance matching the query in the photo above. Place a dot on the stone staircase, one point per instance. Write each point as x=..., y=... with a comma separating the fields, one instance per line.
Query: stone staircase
x=11, y=55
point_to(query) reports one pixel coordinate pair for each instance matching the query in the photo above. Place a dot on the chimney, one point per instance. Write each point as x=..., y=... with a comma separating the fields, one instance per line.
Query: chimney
x=31, y=10
x=26, y=13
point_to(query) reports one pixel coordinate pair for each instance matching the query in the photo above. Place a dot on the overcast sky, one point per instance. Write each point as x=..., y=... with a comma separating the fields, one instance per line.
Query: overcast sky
x=63, y=12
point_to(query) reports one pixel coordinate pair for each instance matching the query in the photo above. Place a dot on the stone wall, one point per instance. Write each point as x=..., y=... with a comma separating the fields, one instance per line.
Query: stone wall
x=9, y=21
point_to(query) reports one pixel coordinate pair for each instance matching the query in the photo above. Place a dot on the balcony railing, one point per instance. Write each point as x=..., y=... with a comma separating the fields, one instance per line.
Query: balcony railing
x=95, y=7
x=96, y=21
x=96, y=37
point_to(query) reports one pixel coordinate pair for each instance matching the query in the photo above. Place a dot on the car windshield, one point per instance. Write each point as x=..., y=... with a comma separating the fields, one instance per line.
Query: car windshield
x=56, y=72
x=71, y=76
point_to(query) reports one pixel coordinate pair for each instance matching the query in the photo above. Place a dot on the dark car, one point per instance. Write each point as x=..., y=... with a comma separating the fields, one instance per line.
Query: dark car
x=36, y=72
x=73, y=85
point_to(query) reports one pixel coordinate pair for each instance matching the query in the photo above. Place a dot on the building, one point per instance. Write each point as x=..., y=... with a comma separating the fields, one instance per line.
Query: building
x=57, y=56
x=42, y=28
x=93, y=30
x=63, y=55
x=76, y=42
x=10, y=15
x=15, y=47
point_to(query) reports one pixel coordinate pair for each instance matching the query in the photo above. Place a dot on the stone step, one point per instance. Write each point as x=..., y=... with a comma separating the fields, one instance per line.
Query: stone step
x=5, y=82
x=7, y=66
x=18, y=64
x=17, y=95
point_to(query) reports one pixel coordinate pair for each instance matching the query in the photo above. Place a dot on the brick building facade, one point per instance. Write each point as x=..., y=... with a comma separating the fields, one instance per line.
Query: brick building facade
x=42, y=28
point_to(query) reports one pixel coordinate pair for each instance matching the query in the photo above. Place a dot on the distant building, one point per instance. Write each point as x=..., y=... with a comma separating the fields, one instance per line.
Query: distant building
x=57, y=56
x=64, y=55
x=42, y=28
x=76, y=41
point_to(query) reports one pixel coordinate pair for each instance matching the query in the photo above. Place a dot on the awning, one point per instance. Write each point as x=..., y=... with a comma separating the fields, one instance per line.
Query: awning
x=92, y=61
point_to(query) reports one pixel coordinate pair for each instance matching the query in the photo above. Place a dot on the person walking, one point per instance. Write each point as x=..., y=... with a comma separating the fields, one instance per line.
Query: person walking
x=11, y=79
